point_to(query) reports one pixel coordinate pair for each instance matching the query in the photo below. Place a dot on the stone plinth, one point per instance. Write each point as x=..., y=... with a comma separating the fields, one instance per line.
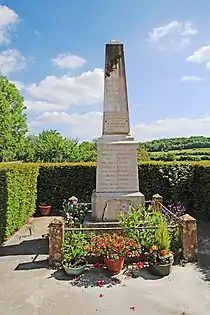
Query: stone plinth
x=117, y=179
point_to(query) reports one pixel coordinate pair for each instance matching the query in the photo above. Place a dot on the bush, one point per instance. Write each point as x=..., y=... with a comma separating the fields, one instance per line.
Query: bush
x=57, y=182
x=171, y=180
x=18, y=187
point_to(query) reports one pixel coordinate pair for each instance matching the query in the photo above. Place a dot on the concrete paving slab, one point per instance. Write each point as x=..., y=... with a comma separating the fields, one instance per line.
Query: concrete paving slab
x=27, y=286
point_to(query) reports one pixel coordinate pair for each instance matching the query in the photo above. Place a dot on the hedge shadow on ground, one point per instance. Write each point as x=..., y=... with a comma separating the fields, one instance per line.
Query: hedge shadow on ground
x=40, y=264
x=37, y=246
x=204, y=249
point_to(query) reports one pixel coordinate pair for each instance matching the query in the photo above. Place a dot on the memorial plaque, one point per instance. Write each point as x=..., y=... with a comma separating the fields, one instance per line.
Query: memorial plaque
x=116, y=122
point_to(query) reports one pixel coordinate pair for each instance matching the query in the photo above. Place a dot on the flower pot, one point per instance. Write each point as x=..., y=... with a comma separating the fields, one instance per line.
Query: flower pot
x=45, y=209
x=75, y=271
x=114, y=267
x=161, y=270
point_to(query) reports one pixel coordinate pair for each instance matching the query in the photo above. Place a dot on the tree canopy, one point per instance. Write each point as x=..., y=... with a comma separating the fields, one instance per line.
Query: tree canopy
x=13, y=125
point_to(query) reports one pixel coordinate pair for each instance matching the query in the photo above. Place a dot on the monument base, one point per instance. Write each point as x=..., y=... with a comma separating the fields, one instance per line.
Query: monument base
x=106, y=206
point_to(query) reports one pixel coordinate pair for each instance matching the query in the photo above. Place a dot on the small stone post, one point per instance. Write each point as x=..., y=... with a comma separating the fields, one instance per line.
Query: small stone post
x=188, y=232
x=56, y=239
x=157, y=200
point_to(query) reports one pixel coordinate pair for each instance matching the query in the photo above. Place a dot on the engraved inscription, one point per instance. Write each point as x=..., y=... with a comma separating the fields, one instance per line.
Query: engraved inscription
x=117, y=168
x=116, y=122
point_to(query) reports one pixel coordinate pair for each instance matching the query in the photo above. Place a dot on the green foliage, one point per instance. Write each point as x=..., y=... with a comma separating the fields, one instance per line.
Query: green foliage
x=162, y=235
x=73, y=247
x=172, y=180
x=74, y=214
x=142, y=218
x=13, y=126
x=59, y=181
x=176, y=143
x=50, y=146
x=18, y=184
x=143, y=155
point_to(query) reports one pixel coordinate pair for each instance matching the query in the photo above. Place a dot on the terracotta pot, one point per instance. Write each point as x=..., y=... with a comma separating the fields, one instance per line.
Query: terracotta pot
x=114, y=267
x=45, y=209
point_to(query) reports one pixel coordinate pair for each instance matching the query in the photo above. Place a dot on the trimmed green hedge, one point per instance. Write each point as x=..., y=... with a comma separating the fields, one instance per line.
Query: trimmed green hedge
x=20, y=189
x=59, y=181
x=186, y=182
x=174, y=181
x=18, y=193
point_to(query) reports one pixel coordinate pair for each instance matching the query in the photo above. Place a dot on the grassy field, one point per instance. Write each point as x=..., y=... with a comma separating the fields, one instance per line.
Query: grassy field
x=188, y=151
x=193, y=154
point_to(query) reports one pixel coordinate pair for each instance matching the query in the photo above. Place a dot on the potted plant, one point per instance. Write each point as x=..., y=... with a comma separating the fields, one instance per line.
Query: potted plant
x=74, y=213
x=160, y=261
x=45, y=208
x=159, y=256
x=74, y=262
x=114, y=249
x=136, y=268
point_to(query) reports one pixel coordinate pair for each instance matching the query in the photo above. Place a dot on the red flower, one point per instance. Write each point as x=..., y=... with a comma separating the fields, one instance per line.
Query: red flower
x=141, y=264
x=100, y=295
x=97, y=265
x=100, y=283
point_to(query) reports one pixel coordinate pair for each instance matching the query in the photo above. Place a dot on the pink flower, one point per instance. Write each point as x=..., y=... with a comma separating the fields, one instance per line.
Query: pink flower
x=100, y=283
x=97, y=265
x=76, y=278
x=132, y=308
x=100, y=295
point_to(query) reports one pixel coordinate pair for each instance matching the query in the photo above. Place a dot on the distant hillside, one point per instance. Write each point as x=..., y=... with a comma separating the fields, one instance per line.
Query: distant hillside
x=170, y=144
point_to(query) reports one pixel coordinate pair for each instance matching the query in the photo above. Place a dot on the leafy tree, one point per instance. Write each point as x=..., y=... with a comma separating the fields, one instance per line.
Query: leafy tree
x=13, y=125
x=50, y=146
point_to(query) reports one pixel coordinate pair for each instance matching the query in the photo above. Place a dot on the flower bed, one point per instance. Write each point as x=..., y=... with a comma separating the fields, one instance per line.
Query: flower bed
x=146, y=237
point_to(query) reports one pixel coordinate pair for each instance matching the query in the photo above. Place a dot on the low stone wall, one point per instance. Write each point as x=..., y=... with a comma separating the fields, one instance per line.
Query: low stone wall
x=187, y=225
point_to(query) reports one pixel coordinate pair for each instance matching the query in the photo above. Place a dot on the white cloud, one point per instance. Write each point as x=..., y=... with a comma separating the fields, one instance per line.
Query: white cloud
x=84, y=126
x=19, y=85
x=11, y=60
x=87, y=88
x=172, y=127
x=175, y=35
x=68, y=61
x=202, y=55
x=42, y=106
x=191, y=78
x=8, y=18
x=89, y=126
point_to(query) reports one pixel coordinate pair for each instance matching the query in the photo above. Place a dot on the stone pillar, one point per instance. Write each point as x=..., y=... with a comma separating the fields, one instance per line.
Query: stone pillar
x=188, y=232
x=56, y=239
x=157, y=200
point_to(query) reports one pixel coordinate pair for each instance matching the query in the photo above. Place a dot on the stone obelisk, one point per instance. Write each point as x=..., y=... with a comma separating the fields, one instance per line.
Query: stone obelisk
x=117, y=180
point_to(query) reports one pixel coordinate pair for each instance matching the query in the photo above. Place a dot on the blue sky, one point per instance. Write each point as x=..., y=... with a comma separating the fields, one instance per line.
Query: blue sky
x=54, y=52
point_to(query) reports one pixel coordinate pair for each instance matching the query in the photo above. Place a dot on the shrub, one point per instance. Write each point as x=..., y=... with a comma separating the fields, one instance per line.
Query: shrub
x=184, y=182
x=59, y=181
x=18, y=187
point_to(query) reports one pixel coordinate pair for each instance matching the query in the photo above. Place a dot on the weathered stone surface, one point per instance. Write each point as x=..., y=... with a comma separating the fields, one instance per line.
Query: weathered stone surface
x=188, y=230
x=117, y=171
x=56, y=238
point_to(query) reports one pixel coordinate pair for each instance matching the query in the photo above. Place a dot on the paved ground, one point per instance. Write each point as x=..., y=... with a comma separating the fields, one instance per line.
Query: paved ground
x=27, y=286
